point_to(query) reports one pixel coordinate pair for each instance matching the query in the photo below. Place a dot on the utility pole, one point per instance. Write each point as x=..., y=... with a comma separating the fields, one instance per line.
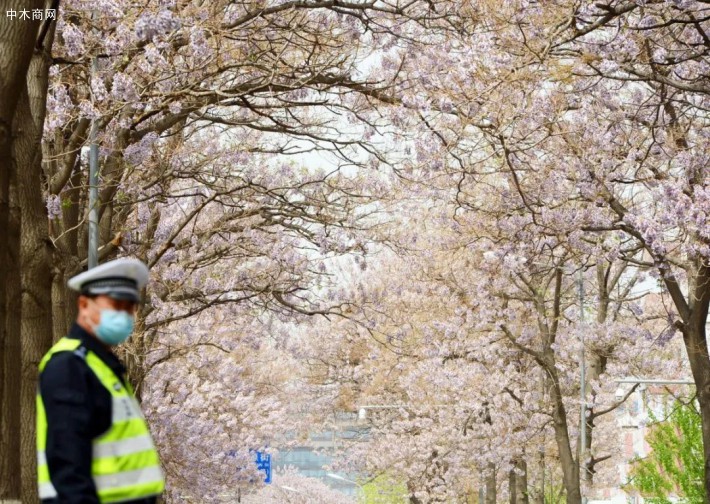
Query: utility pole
x=93, y=253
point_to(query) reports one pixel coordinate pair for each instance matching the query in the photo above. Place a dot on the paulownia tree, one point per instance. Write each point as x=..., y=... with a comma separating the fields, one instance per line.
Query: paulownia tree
x=590, y=117
x=196, y=107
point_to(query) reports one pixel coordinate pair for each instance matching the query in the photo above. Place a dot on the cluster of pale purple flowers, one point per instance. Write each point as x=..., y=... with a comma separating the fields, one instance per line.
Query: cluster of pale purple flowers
x=54, y=206
x=198, y=45
x=73, y=40
x=98, y=88
x=150, y=25
x=123, y=88
x=59, y=107
x=88, y=110
x=138, y=152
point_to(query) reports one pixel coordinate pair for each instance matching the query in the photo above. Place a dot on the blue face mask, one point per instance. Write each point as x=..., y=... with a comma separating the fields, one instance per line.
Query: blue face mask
x=114, y=327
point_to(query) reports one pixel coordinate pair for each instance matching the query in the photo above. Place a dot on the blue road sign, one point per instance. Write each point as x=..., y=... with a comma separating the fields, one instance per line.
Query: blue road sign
x=263, y=463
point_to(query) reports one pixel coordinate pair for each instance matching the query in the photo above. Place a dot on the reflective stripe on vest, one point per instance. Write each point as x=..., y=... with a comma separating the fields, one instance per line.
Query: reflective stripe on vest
x=125, y=464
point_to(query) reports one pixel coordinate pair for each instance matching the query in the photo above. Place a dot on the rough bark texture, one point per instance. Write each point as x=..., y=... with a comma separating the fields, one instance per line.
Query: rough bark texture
x=17, y=39
x=569, y=465
x=60, y=325
x=67, y=258
x=10, y=410
x=695, y=339
x=35, y=256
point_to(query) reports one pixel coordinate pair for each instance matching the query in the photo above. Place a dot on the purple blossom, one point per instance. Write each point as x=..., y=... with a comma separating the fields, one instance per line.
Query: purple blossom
x=54, y=206
x=87, y=109
x=73, y=40
x=123, y=88
x=608, y=66
x=138, y=153
x=647, y=22
x=59, y=107
x=117, y=42
x=150, y=25
x=98, y=88
x=198, y=44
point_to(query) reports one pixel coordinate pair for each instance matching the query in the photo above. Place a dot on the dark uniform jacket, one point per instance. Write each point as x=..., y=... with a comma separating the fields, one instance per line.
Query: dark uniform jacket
x=78, y=409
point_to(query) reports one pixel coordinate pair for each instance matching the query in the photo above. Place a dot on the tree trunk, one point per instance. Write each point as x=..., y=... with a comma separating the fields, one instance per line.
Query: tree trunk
x=36, y=302
x=538, y=495
x=60, y=326
x=491, y=488
x=521, y=482
x=596, y=366
x=704, y=401
x=512, y=487
x=569, y=466
x=16, y=42
x=10, y=487
x=35, y=255
x=695, y=339
x=66, y=260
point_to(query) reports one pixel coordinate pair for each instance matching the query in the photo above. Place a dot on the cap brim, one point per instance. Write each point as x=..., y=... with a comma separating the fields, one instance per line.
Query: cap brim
x=120, y=293
x=118, y=269
x=124, y=296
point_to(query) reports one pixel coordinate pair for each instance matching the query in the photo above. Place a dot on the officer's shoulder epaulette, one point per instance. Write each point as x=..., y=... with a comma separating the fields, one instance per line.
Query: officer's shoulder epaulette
x=81, y=352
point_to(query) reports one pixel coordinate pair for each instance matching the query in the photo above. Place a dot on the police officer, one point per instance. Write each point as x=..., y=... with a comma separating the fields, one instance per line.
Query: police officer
x=93, y=443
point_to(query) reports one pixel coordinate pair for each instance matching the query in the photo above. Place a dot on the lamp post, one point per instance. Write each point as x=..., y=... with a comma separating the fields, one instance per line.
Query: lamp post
x=93, y=254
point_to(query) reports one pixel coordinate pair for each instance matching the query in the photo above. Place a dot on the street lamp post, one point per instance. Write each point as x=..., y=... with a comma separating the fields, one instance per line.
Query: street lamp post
x=93, y=254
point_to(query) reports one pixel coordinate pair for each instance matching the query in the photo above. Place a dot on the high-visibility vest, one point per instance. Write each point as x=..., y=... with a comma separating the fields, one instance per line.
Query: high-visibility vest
x=125, y=464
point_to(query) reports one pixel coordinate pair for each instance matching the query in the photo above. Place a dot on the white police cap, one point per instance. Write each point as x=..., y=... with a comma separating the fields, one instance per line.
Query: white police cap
x=119, y=279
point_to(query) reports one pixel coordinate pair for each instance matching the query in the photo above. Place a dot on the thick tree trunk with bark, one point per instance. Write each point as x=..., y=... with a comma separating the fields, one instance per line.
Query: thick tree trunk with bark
x=67, y=256
x=10, y=487
x=36, y=284
x=35, y=256
x=704, y=401
x=16, y=42
x=695, y=314
x=521, y=482
x=60, y=324
x=569, y=466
